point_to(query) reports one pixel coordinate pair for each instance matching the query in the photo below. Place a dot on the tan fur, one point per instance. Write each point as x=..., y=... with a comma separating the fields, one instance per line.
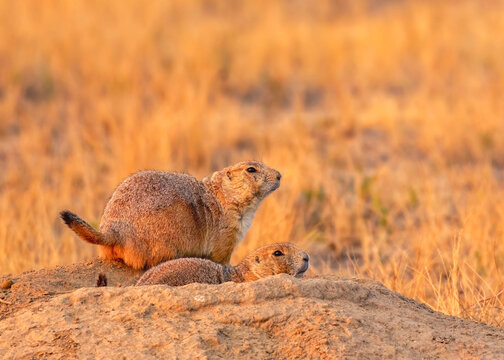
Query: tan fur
x=155, y=216
x=261, y=263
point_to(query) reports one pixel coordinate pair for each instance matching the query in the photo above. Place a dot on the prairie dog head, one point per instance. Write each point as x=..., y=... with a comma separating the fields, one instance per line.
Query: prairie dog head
x=245, y=184
x=284, y=258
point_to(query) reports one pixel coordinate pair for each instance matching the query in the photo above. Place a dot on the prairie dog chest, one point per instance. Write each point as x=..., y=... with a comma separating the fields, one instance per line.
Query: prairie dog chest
x=245, y=223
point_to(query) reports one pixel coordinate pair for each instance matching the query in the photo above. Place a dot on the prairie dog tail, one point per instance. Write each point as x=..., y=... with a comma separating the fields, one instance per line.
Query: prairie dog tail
x=85, y=231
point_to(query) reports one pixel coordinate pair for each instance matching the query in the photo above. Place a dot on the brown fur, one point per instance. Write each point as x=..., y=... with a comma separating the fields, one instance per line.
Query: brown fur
x=155, y=216
x=261, y=263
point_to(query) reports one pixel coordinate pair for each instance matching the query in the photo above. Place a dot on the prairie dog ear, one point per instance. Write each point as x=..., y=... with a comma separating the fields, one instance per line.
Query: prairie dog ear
x=229, y=176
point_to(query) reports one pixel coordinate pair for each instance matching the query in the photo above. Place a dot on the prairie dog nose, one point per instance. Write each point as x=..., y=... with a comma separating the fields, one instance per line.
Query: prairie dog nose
x=279, y=176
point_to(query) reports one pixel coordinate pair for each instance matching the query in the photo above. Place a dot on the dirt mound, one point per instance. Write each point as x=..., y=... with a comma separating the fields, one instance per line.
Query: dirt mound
x=52, y=315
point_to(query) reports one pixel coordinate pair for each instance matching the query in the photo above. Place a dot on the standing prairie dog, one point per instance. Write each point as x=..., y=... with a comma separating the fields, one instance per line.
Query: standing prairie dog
x=155, y=216
x=266, y=261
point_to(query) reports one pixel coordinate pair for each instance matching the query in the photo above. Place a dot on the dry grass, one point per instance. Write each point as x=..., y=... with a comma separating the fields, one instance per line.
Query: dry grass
x=384, y=117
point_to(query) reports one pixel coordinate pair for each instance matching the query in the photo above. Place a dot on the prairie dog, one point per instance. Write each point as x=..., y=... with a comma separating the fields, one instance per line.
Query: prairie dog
x=266, y=261
x=154, y=216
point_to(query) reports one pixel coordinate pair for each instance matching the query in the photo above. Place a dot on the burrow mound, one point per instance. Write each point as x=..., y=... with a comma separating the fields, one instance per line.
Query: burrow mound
x=57, y=313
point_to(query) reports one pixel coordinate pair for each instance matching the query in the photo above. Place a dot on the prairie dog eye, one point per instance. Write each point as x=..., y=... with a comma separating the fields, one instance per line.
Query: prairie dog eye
x=278, y=253
x=251, y=170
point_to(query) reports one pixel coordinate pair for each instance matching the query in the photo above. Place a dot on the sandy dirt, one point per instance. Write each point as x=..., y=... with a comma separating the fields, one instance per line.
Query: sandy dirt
x=60, y=313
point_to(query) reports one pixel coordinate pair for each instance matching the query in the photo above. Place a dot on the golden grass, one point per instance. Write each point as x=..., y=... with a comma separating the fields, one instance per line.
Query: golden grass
x=384, y=117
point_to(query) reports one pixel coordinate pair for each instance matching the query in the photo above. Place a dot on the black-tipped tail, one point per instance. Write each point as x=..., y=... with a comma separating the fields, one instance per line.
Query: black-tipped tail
x=84, y=230
x=68, y=217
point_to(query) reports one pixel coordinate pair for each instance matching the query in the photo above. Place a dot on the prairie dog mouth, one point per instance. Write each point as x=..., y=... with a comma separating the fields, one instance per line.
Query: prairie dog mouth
x=270, y=187
x=300, y=273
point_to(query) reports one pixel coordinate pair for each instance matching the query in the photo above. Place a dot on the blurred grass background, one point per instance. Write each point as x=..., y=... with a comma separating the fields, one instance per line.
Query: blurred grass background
x=384, y=117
